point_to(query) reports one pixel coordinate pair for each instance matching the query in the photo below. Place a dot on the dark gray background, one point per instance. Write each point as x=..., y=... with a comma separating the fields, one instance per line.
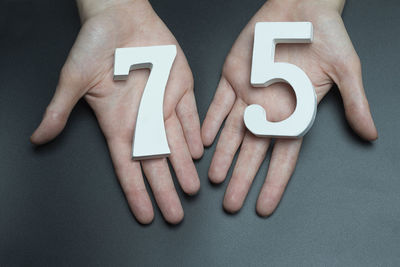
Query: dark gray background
x=61, y=204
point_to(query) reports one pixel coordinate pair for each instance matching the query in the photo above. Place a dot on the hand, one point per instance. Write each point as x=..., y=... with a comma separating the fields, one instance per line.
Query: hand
x=88, y=73
x=330, y=59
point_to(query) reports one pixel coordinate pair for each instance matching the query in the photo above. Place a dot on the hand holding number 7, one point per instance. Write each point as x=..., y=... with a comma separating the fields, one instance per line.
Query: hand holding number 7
x=88, y=73
x=150, y=140
x=330, y=58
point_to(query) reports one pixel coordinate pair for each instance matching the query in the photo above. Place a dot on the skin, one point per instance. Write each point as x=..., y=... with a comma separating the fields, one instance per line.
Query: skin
x=88, y=73
x=109, y=24
x=330, y=59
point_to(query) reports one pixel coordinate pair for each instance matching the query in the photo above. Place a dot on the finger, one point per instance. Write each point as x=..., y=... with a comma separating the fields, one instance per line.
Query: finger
x=180, y=157
x=67, y=94
x=281, y=167
x=358, y=114
x=130, y=177
x=231, y=137
x=159, y=177
x=189, y=119
x=220, y=107
x=252, y=154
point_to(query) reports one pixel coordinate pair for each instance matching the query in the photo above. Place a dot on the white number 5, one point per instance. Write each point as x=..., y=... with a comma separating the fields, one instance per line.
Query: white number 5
x=150, y=140
x=265, y=72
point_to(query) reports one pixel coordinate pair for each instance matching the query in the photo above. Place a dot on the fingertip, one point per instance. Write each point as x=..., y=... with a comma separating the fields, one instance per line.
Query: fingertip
x=230, y=209
x=374, y=136
x=214, y=177
x=265, y=208
x=220, y=107
x=207, y=137
x=175, y=215
x=218, y=168
x=370, y=135
x=370, y=132
x=262, y=212
x=50, y=127
x=194, y=143
x=41, y=136
x=140, y=204
x=193, y=188
x=362, y=123
x=232, y=204
x=268, y=202
x=145, y=218
x=197, y=151
x=33, y=138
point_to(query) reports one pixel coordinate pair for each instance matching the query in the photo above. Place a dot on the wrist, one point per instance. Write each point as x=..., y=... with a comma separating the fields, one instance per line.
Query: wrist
x=91, y=8
x=298, y=6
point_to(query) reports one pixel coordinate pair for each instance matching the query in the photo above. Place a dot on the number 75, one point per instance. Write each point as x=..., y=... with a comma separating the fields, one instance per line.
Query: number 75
x=150, y=140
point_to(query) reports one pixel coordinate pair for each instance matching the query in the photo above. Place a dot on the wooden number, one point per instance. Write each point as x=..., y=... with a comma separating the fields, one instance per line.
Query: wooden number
x=150, y=140
x=265, y=71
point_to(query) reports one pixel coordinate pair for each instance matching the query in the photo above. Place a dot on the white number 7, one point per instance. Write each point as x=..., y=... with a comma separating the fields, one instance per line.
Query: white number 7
x=150, y=140
x=265, y=71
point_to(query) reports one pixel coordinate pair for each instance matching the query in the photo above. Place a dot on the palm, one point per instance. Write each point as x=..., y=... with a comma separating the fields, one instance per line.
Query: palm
x=330, y=46
x=89, y=73
x=93, y=60
x=330, y=58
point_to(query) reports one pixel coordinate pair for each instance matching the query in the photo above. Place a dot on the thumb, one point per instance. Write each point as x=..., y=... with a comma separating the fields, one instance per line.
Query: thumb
x=54, y=119
x=358, y=114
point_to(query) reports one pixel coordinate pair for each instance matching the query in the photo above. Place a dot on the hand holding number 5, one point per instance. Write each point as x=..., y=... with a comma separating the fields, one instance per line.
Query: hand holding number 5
x=88, y=73
x=330, y=58
x=265, y=71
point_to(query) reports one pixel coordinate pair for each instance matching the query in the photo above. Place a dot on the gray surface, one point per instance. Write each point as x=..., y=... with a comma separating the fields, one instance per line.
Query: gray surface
x=61, y=204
